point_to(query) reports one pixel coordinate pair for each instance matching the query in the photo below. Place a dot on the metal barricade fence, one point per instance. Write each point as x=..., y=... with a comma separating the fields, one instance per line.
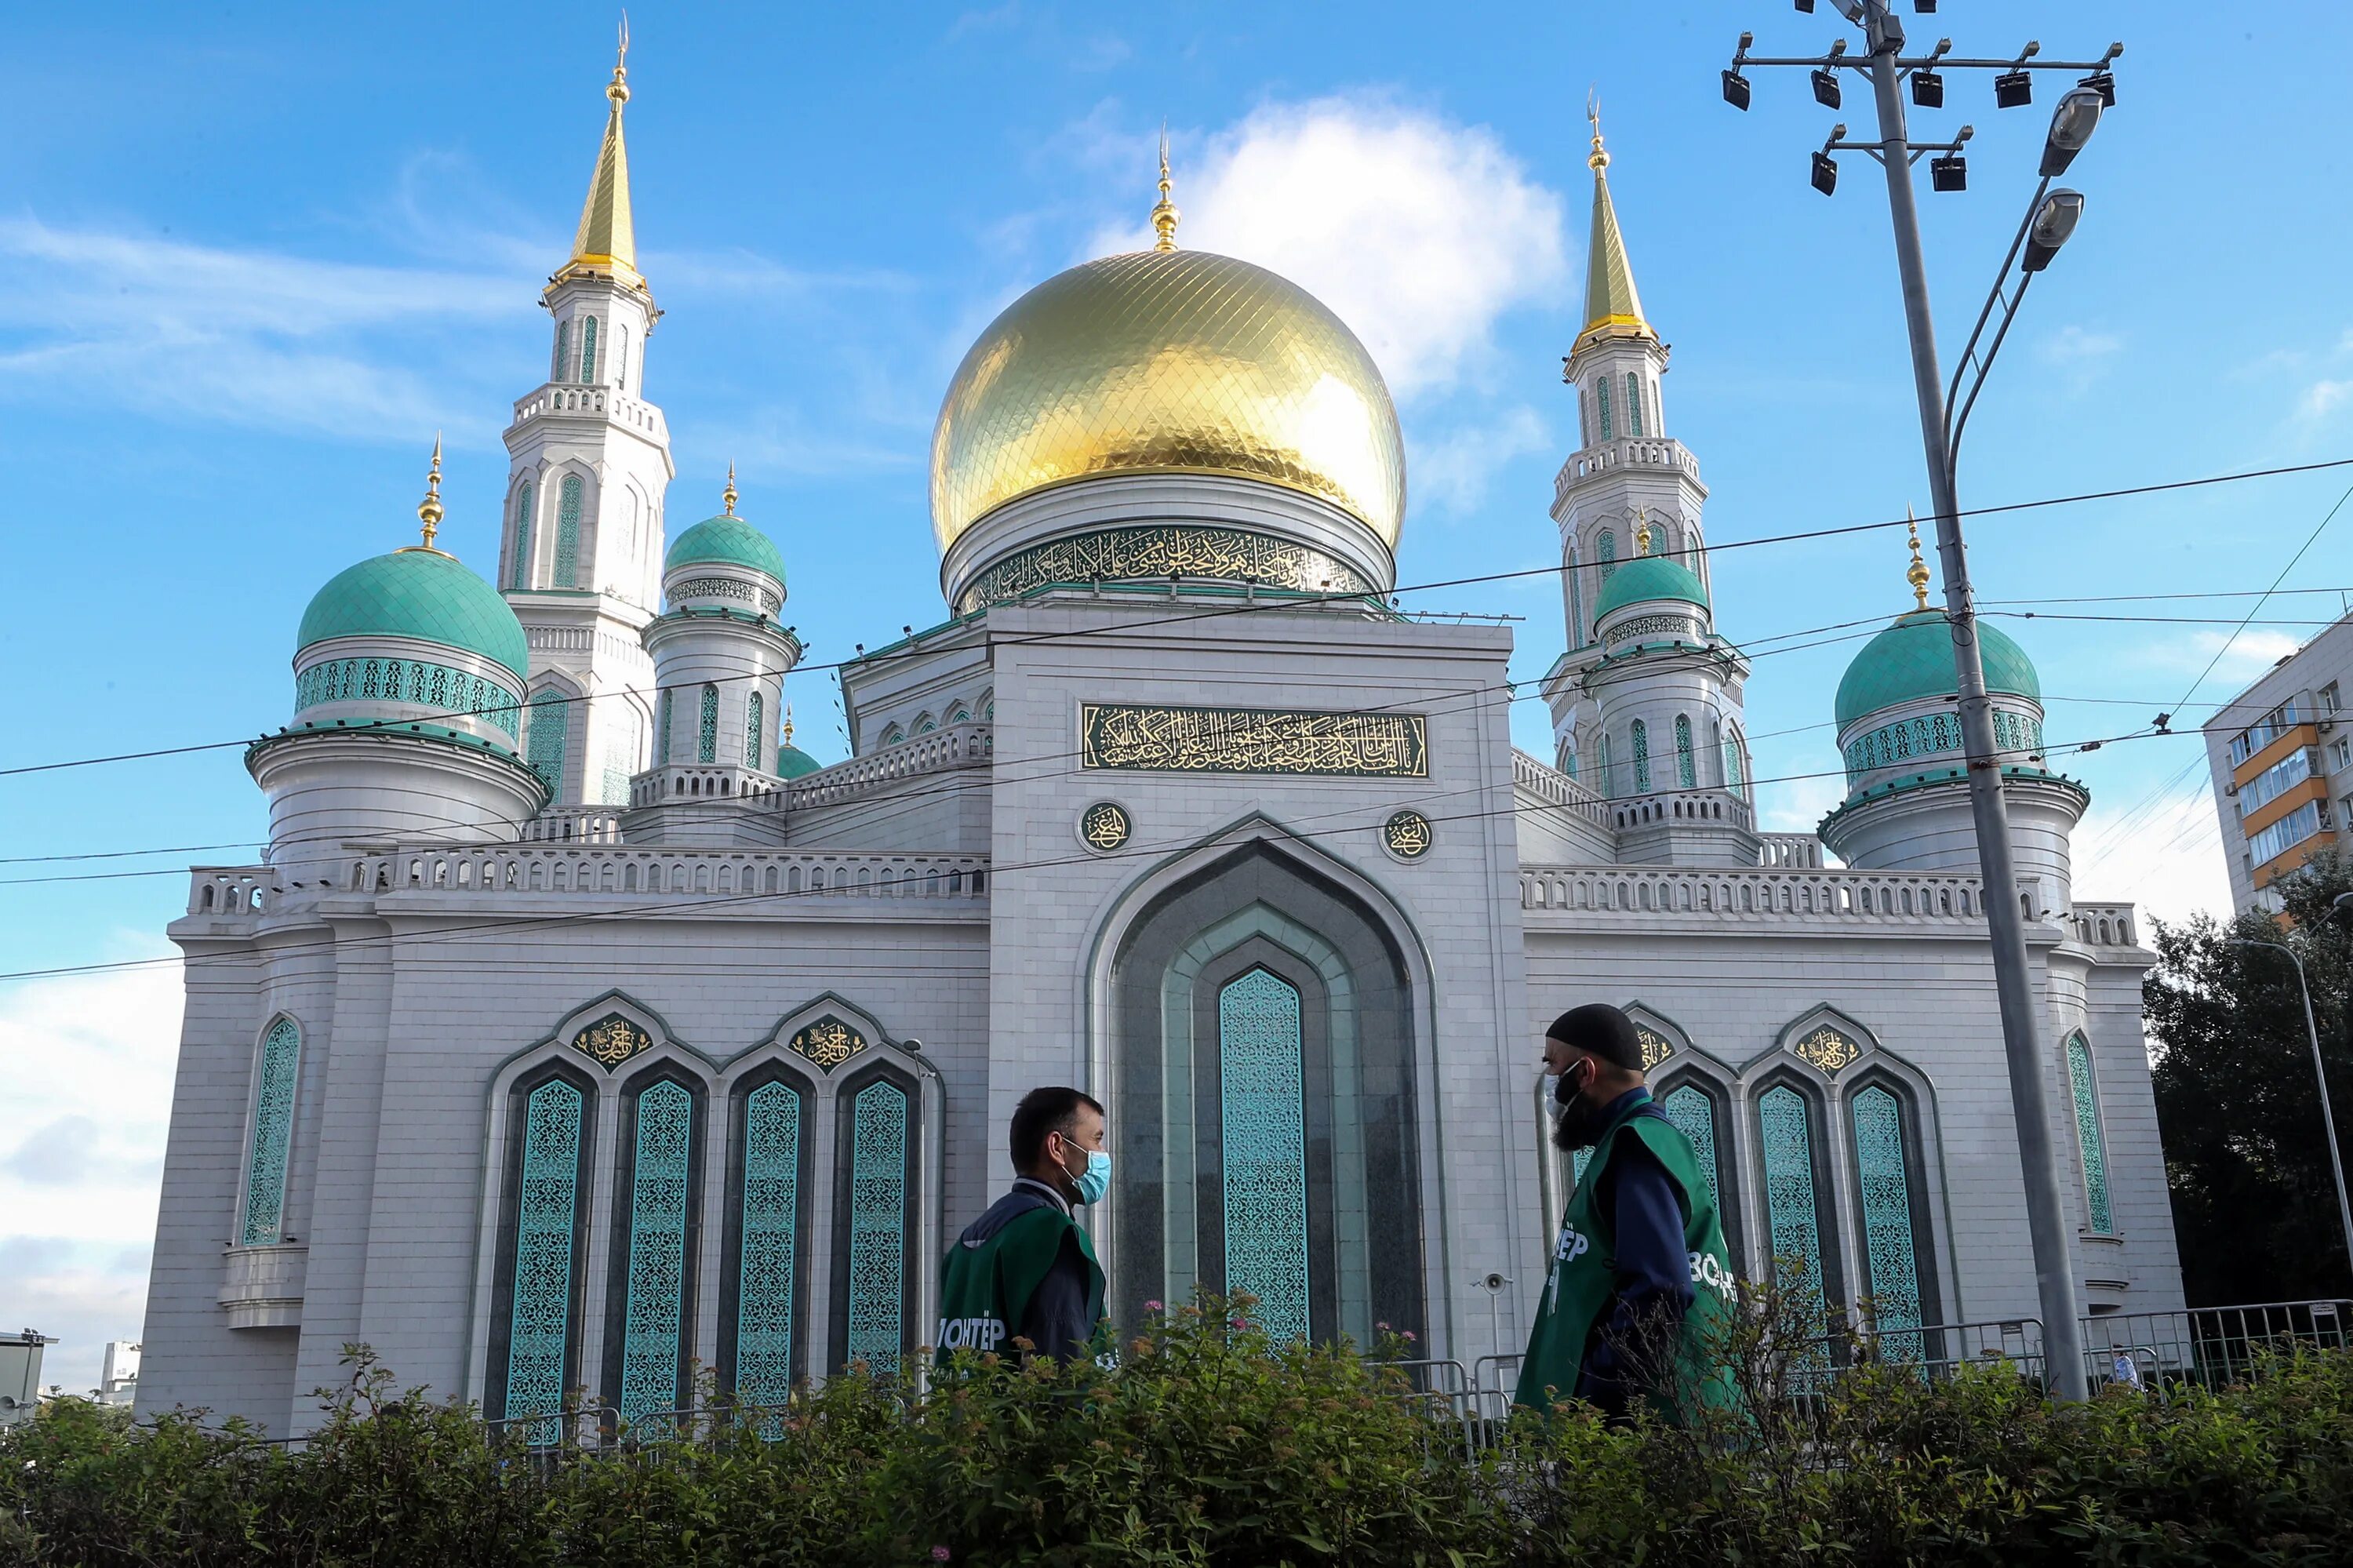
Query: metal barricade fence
x=2214, y=1346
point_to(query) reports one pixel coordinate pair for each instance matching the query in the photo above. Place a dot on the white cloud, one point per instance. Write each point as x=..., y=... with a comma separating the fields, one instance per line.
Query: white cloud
x=2249, y=653
x=90, y=1060
x=1798, y=805
x=1418, y=232
x=2079, y=354
x=1451, y=471
x=2321, y=397
x=2168, y=859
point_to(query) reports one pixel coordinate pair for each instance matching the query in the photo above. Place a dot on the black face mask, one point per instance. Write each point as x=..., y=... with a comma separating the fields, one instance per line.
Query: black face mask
x=1580, y=1120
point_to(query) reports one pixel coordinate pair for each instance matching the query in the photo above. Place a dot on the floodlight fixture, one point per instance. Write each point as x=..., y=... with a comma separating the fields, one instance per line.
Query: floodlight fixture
x=2062, y=210
x=1806, y=7
x=1825, y=174
x=2013, y=89
x=1826, y=88
x=1948, y=173
x=1736, y=90
x=1928, y=88
x=1925, y=7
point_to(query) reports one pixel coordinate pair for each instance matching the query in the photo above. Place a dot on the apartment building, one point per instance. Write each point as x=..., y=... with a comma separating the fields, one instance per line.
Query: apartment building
x=2281, y=754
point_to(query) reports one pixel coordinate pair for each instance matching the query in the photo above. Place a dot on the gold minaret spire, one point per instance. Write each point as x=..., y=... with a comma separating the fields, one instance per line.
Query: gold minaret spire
x=1917, y=574
x=1613, y=308
x=607, y=243
x=1164, y=212
x=428, y=510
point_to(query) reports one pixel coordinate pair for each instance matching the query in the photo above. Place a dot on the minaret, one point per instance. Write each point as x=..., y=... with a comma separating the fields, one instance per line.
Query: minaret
x=580, y=558
x=1646, y=701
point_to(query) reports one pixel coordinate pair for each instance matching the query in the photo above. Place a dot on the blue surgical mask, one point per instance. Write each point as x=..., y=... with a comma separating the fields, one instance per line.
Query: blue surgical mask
x=1096, y=1180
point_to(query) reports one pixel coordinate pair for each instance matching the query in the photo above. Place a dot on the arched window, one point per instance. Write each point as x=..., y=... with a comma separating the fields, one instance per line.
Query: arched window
x=764, y=1354
x=1736, y=773
x=623, y=747
x=1692, y=1110
x=1796, y=1191
x=567, y=532
x=2089, y=1142
x=1568, y=755
x=522, y=575
x=277, y=1071
x=1607, y=548
x=892, y=736
x=924, y=725
x=563, y=352
x=706, y=734
x=1641, y=738
x=1578, y=632
x=752, y=718
x=1892, y=1219
x=653, y=1255
x=1608, y=781
x=1633, y=405
x=1601, y=390
x=1686, y=766
x=588, y=349
x=550, y=740
x=1261, y=1089
x=873, y=1264
x=536, y=1330
x=621, y=358
x=661, y=733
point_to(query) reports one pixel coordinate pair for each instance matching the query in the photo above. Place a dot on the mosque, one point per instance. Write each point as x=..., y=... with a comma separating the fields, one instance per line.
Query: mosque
x=579, y=1033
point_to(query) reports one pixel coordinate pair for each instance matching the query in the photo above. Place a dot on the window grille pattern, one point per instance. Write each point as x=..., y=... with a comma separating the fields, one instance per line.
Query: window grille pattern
x=588, y=349
x=651, y=1340
x=621, y=358
x=1607, y=548
x=878, y=1227
x=456, y=692
x=1578, y=1161
x=1641, y=758
x=1695, y=1116
x=1735, y=776
x=1883, y=1182
x=567, y=533
x=563, y=351
x=1686, y=765
x=551, y=737
x=521, y=576
x=1633, y=405
x=1261, y=1073
x=1935, y=734
x=662, y=736
x=273, y=1134
x=621, y=751
x=540, y=1315
x=767, y=1241
x=706, y=734
x=752, y=717
x=1609, y=778
x=1602, y=395
x=1790, y=1199
x=2088, y=1140
x=1680, y=627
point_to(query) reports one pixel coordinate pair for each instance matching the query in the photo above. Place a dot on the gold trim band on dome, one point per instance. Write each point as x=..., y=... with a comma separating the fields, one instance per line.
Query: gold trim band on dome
x=1162, y=551
x=1146, y=739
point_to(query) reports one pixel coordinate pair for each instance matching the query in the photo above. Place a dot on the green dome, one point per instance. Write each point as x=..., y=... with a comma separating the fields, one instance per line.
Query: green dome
x=1649, y=578
x=792, y=762
x=1913, y=658
x=422, y=594
x=726, y=540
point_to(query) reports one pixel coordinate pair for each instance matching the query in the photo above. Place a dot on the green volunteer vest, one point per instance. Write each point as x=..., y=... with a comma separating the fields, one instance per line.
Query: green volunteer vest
x=1583, y=1276
x=985, y=1286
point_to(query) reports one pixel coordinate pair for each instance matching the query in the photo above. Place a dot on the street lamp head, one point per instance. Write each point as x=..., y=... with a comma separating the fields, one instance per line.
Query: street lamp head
x=2062, y=210
x=2072, y=124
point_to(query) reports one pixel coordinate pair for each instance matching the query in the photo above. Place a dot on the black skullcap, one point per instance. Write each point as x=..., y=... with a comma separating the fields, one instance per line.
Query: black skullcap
x=1601, y=1029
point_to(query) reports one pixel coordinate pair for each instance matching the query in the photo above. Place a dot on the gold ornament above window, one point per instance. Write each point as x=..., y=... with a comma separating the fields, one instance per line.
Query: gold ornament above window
x=1656, y=1047
x=1827, y=1049
x=828, y=1042
x=611, y=1041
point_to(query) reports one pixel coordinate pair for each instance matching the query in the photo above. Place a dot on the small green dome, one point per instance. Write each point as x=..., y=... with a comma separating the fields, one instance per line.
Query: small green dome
x=792, y=762
x=422, y=594
x=1913, y=659
x=726, y=540
x=1649, y=578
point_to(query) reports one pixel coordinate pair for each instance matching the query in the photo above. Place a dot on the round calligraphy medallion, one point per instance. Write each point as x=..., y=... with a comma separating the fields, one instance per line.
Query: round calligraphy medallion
x=1408, y=835
x=1104, y=826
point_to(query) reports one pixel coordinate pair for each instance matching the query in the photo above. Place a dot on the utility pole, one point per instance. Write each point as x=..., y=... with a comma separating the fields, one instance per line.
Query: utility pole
x=1883, y=61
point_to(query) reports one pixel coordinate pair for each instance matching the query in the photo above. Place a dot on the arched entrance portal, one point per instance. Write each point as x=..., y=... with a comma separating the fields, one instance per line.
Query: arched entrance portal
x=1262, y=1064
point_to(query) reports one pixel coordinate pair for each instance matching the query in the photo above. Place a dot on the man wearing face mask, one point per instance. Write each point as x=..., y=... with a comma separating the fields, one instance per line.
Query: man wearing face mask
x=1641, y=1278
x=1025, y=1269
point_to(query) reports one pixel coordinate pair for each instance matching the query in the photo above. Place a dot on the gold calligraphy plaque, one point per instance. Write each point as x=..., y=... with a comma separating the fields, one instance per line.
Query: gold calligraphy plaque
x=1253, y=740
x=1408, y=835
x=828, y=1042
x=611, y=1041
x=1104, y=826
x=1827, y=1049
x=1656, y=1047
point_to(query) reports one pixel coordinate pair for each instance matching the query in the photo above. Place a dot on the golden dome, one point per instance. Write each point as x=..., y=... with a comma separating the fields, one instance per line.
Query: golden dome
x=1167, y=362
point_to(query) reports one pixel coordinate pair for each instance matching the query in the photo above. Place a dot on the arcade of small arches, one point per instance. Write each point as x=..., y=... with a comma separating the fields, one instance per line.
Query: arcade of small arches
x=1636, y=776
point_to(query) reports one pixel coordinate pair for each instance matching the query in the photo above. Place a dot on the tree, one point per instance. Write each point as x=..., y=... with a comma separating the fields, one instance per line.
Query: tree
x=2254, y=1204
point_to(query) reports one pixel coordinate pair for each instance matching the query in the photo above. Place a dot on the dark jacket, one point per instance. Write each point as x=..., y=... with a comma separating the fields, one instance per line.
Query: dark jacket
x=1056, y=1320
x=1653, y=1272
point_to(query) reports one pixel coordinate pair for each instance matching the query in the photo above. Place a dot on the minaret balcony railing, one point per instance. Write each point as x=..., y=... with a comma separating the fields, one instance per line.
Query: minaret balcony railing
x=1572, y=894
x=559, y=399
x=1555, y=788
x=1628, y=454
x=1692, y=808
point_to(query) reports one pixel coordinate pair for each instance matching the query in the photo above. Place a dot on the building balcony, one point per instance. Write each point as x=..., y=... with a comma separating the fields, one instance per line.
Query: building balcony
x=262, y=1286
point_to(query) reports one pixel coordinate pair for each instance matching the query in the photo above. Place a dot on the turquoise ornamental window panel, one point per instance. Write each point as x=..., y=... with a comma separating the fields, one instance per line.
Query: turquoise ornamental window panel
x=1883, y=1182
x=1601, y=394
x=1263, y=1089
x=1641, y=758
x=768, y=1256
x=706, y=735
x=878, y=1227
x=1609, y=780
x=588, y=349
x=273, y=1134
x=621, y=357
x=752, y=718
x=520, y=575
x=1633, y=405
x=454, y=691
x=1790, y=1207
x=1695, y=1116
x=1735, y=777
x=551, y=737
x=1607, y=548
x=1578, y=1161
x=540, y=1317
x=1686, y=765
x=651, y=1340
x=567, y=533
x=661, y=738
x=562, y=350
x=2093, y=1147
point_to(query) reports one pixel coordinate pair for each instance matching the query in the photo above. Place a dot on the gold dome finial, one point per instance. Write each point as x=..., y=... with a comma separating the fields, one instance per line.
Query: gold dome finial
x=1164, y=212
x=1917, y=575
x=788, y=724
x=727, y=496
x=1642, y=530
x=1599, y=157
x=617, y=90
x=428, y=510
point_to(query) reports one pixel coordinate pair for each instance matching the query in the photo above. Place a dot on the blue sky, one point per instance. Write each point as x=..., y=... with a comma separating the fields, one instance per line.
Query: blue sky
x=258, y=257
